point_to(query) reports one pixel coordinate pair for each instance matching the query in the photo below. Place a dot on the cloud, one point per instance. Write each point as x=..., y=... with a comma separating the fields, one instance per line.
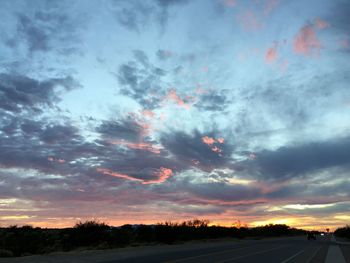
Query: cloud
x=213, y=100
x=249, y=21
x=46, y=30
x=321, y=24
x=288, y=162
x=339, y=17
x=271, y=54
x=306, y=41
x=164, y=54
x=56, y=134
x=162, y=175
x=174, y=97
x=187, y=147
x=137, y=15
x=141, y=80
x=127, y=129
x=20, y=93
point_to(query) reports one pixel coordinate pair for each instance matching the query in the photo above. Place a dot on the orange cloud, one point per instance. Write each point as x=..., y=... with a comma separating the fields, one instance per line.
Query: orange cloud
x=321, y=24
x=306, y=41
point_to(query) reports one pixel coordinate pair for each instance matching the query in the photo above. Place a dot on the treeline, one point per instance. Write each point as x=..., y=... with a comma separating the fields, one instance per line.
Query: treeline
x=26, y=240
x=343, y=232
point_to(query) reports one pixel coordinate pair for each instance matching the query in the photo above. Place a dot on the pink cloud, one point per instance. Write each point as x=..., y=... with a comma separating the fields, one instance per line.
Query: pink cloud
x=141, y=122
x=221, y=140
x=163, y=174
x=52, y=159
x=148, y=113
x=271, y=54
x=119, y=175
x=321, y=24
x=208, y=140
x=216, y=149
x=306, y=41
x=249, y=21
x=172, y=95
x=139, y=146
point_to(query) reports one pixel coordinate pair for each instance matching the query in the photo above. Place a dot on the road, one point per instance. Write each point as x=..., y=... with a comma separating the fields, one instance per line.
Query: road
x=291, y=250
x=281, y=250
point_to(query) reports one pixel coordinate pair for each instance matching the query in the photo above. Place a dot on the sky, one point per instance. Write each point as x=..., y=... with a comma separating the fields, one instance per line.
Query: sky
x=132, y=111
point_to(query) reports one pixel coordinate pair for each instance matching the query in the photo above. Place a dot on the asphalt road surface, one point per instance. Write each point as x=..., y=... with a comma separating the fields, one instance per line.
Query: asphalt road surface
x=269, y=251
x=281, y=250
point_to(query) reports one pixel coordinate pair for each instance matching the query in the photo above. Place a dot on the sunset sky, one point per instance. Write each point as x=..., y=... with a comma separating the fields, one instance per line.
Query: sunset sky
x=134, y=111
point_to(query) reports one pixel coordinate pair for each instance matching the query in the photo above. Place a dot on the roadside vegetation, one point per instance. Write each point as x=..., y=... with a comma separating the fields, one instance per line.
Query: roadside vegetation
x=343, y=232
x=27, y=240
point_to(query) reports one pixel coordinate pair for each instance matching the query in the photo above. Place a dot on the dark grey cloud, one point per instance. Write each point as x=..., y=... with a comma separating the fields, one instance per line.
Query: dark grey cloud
x=213, y=101
x=339, y=18
x=137, y=15
x=126, y=129
x=55, y=133
x=20, y=93
x=189, y=148
x=224, y=192
x=141, y=80
x=164, y=54
x=299, y=160
x=46, y=30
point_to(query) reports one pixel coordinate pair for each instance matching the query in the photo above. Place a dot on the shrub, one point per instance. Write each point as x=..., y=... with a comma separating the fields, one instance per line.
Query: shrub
x=343, y=232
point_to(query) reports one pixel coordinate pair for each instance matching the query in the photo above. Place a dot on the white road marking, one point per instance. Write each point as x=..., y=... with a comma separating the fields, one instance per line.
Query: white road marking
x=334, y=255
x=290, y=258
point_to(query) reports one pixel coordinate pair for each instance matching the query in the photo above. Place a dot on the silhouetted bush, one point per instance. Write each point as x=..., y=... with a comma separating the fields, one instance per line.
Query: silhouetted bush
x=26, y=240
x=87, y=234
x=343, y=232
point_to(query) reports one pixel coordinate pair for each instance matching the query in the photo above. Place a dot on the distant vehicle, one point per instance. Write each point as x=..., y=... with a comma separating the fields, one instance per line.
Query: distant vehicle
x=311, y=236
x=322, y=234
